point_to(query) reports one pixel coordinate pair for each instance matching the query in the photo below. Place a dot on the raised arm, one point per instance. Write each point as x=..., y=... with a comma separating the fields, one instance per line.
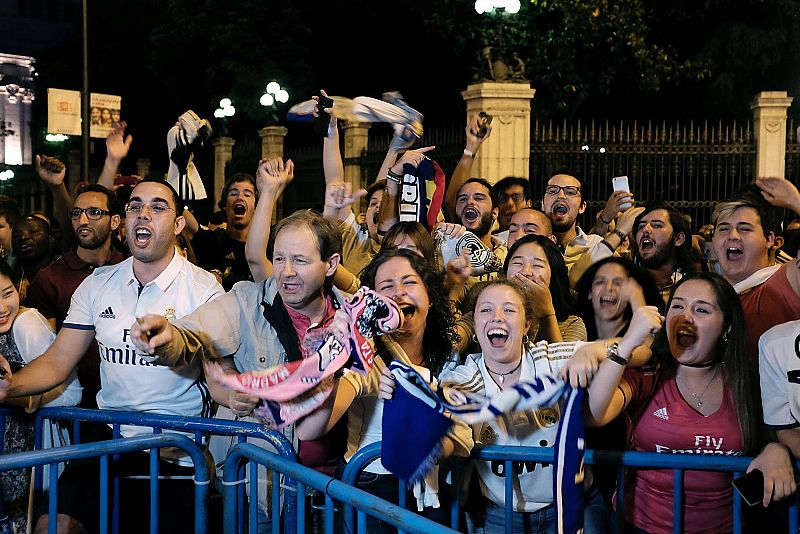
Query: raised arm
x=272, y=177
x=464, y=167
x=782, y=193
x=52, y=173
x=605, y=399
x=389, y=212
x=117, y=147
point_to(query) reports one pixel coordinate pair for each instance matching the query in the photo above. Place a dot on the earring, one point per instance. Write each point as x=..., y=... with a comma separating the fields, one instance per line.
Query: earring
x=474, y=338
x=525, y=339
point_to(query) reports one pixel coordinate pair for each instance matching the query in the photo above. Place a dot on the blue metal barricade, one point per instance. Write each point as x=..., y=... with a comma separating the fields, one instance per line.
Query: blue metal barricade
x=103, y=449
x=679, y=463
x=363, y=502
x=199, y=426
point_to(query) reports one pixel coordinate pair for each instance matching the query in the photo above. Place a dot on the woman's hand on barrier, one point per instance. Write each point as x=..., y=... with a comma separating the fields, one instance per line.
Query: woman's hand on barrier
x=776, y=465
x=386, y=385
x=580, y=369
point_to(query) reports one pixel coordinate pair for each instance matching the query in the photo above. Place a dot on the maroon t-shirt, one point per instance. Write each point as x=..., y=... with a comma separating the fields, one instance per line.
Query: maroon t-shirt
x=669, y=425
x=51, y=293
x=322, y=454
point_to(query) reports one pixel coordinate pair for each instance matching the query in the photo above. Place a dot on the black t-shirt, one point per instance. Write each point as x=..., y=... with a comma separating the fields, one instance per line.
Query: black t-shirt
x=217, y=250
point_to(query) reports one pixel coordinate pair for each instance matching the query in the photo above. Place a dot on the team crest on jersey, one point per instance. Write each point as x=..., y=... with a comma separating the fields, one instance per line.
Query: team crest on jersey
x=488, y=435
x=546, y=416
x=169, y=314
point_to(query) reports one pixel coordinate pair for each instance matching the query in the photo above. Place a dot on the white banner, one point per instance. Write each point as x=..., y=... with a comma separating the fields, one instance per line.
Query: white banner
x=63, y=111
x=103, y=112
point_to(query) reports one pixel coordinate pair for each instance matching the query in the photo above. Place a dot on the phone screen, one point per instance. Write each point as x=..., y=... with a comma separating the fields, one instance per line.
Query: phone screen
x=750, y=487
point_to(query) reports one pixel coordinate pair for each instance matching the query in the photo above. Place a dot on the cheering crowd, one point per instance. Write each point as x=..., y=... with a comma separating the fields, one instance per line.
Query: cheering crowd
x=686, y=343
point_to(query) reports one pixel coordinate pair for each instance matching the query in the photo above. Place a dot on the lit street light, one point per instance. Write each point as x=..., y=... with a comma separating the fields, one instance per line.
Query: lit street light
x=6, y=175
x=223, y=112
x=273, y=96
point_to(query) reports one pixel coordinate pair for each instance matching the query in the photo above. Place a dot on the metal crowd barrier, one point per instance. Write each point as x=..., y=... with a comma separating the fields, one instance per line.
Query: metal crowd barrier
x=678, y=463
x=103, y=449
x=199, y=426
x=365, y=503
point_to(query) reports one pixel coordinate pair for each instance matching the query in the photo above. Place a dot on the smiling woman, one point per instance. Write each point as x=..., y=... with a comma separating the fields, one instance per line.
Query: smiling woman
x=702, y=380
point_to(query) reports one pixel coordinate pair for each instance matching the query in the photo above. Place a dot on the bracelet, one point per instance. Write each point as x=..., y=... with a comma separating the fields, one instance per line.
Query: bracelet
x=621, y=235
x=605, y=221
x=606, y=243
x=396, y=178
x=468, y=152
x=613, y=355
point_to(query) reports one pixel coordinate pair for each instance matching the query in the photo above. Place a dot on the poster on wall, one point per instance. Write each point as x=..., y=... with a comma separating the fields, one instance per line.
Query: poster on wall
x=63, y=111
x=104, y=110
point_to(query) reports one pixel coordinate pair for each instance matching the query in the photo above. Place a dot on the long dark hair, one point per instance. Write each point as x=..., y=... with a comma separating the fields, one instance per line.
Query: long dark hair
x=584, y=289
x=559, y=278
x=739, y=370
x=440, y=335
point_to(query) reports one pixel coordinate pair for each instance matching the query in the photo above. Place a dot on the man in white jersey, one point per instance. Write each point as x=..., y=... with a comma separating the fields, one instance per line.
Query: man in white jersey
x=156, y=280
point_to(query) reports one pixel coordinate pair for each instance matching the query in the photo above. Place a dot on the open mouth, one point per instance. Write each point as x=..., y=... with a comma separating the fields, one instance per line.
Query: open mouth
x=608, y=301
x=560, y=209
x=408, y=311
x=142, y=236
x=497, y=337
x=376, y=217
x=239, y=209
x=734, y=253
x=646, y=244
x=470, y=215
x=685, y=337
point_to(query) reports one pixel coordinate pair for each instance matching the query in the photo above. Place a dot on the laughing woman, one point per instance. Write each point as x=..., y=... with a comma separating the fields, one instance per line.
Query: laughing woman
x=703, y=380
x=503, y=315
x=424, y=342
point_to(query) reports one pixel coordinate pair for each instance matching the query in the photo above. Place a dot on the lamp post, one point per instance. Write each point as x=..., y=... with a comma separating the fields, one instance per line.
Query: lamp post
x=223, y=112
x=273, y=95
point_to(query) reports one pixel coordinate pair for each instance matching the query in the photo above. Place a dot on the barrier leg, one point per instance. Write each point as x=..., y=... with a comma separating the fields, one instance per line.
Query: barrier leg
x=52, y=508
x=253, y=504
x=154, y=485
x=104, y=495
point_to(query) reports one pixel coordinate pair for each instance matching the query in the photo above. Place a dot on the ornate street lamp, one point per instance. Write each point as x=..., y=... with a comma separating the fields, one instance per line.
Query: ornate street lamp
x=273, y=96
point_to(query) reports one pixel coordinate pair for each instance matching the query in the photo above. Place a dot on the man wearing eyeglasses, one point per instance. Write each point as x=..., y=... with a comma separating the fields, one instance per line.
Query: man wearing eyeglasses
x=156, y=280
x=95, y=215
x=513, y=194
x=562, y=203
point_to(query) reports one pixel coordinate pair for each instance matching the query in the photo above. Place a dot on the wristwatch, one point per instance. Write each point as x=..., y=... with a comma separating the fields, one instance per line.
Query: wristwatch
x=613, y=355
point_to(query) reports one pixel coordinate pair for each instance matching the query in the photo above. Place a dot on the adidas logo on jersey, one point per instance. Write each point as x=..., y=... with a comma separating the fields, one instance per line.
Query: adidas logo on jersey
x=661, y=413
x=108, y=313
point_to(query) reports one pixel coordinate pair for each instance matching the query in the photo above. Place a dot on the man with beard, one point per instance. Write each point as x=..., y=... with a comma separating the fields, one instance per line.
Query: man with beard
x=95, y=215
x=221, y=251
x=562, y=203
x=662, y=244
x=155, y=280
x=746, y=235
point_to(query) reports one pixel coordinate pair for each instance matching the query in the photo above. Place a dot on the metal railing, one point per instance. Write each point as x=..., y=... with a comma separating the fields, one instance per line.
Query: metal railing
x=678, y=463
x=103, y=450
x=365, y=503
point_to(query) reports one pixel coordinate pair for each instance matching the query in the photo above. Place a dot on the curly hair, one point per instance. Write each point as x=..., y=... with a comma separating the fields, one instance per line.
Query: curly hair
x=440, y=335
x=584, y=290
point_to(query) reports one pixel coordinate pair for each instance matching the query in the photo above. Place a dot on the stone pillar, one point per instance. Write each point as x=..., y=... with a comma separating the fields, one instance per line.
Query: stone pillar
x=223, y=152
x=356, y=136
x=769, y=116
x=272, y=141
x=272, y=147
x=143, y=167
x=507, y=151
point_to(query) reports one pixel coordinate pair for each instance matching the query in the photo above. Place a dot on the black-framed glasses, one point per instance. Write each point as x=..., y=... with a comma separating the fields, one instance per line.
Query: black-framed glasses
x=156, y=208
x=569, y=190
x=94, y=214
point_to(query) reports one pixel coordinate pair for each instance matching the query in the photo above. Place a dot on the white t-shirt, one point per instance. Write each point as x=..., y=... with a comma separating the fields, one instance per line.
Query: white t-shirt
x=779, y=365
x=108, y=302
x=33, y=336
x=534, y=428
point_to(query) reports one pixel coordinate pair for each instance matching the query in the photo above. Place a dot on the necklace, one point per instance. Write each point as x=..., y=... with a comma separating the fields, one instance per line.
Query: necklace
x=501, y=375
x=699, y=398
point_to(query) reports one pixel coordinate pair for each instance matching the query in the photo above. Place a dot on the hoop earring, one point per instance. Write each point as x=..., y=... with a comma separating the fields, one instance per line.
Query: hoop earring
x=474, y=338
x=526, y=339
